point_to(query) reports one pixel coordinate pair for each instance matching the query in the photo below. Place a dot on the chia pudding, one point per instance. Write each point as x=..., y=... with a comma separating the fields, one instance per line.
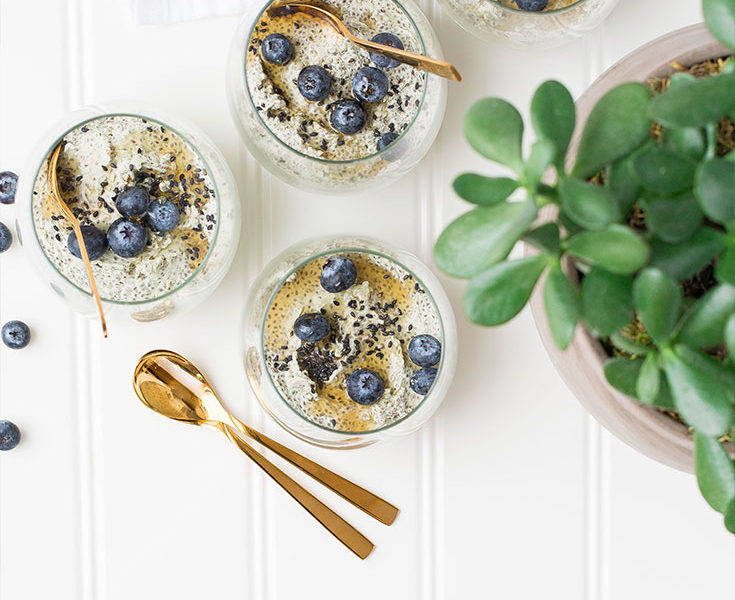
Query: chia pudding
x=356, y=374
x=144, y=196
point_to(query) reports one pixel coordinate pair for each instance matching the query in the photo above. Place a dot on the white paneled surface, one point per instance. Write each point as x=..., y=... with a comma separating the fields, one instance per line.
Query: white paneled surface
x=510, y=492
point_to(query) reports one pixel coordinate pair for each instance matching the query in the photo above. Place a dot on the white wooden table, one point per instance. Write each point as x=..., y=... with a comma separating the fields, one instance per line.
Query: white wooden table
x=510, y=492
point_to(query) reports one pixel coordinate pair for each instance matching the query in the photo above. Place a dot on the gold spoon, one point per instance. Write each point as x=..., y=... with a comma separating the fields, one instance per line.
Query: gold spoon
x=432, y=65
x=169, y=384
x=53, y=162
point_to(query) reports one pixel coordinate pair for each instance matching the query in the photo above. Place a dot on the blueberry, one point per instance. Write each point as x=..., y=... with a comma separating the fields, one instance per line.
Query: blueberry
x=422, y=380
x=16, y=334
x=314, y=82
x=370, y=84
x=387, y=39
x=133, y=202
x=277, y=49
x=365, y=386
x=127, y=239
x=532, y=5
x=94, y=239
x=311, y=327
x=338, y=274
x=386, y=140
x=9, y=435
x=163, y=216
x=6, y=238
x=348, y=116
x=424, y=350
x=8, y=185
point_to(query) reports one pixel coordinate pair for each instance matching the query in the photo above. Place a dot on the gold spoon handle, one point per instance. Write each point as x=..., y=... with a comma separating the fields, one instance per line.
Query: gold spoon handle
x=336, y=525
x=365, y=500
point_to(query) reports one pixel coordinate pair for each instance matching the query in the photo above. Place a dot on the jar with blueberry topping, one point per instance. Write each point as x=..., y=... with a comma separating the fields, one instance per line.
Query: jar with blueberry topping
x=325, y=115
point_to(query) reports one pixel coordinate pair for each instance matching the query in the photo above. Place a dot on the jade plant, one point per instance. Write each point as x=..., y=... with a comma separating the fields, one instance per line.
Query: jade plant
x=641, y=249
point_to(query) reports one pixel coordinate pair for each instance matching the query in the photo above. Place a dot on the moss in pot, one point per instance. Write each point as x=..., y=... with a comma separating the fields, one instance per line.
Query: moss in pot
x=646, y=215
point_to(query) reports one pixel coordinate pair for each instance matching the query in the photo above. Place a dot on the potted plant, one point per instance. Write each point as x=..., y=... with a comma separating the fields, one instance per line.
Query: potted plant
x=632, y=223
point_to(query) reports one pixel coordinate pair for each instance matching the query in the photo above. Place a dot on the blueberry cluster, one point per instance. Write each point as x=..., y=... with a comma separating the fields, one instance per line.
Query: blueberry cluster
x=425, y=351
x=369, y=84
x=127, y=236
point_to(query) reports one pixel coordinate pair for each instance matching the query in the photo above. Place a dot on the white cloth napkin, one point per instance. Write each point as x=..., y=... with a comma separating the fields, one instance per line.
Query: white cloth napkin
x=158, y=12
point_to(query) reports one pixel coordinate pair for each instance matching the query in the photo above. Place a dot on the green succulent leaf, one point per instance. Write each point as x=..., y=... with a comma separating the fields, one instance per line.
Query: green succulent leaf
x=623, y=184
x=606, y=300
x=714, y=369
x=695, y=103
x=483, y=190
x=715, y=472
x=730, y=335
x=715, y=189
x=664, y=172
x=482, y=237
x=623, y=373
x=720, y=18
x=704, y=324
x=678, y=79
x=673, y=219
x=542, y=155
x=498, y=294
x=617, y=125
x=617, y=249
x=562, y=306
x=588, y=205
x=725, y=269
x=629, y=346
x=687, y=141
x=684, y=259
x=657, y=299
x=730, y=517
x=730, y=156
x=553, y=116
x=545, y=237
x=494, y=128
x=648, y=383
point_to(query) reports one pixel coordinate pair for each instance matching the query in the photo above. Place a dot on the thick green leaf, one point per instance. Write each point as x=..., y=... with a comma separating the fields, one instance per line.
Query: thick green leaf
x=684, y=259
x=562, y=306
x=664, y=172
x=730, y=517
x=542, y=155
x=482, y=190
x=714, y=369
x=715, y=472
x=545, y=238
x=617, y=125
x=588, y=205
x=553, y=116
x=627, y=345
x=695, y=104
x=730, y=335
x=715, y=189
x=621, y=181
x=688, y=141
x=482, y=237
x=648, y=384
x=673, y=219
x=720, y=18
x=607, y=301
x=623, y=373
x=701, y=401
x=498, y=294
x=704, y=324
x=730, y=156
x=657, y=299
x=494, y=128
x=617, y=249
x=678, y=79
x=725, y=269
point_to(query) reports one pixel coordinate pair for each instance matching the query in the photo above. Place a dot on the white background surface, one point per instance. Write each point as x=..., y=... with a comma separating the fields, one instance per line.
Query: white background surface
x=510, y=492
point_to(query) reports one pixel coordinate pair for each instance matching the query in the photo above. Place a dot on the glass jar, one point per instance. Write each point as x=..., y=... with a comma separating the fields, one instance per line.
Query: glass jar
x=262, y=294
x=318, y=174
x=491, y=19
x=198, y=285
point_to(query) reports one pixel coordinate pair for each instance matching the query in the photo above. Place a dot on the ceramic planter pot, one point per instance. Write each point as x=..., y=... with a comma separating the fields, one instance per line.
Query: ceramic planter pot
x=646, y=429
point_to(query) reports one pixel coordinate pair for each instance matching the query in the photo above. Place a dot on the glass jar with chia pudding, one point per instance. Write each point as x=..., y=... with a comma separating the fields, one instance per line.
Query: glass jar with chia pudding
x=325, y=115
x=529, y=22
x=348, y=341
x=158, y=206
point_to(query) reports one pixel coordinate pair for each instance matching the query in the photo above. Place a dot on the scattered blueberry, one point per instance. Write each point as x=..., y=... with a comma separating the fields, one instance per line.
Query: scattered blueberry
x=9, y=435
x=127, y=239
x=386, y=140
x=365, y=386
x=422, y=380
x=16, y=334
x=163, y=216
x=338, y=274
x=424, y=350
x=387, y=39
x=370, y=84
x=6, y=238
x=314, y=82
x=348, y=116
x=277, y=49
x=94, y=239
x=311, y=327
x=532, y=5
x=8, y=185
x=133, y=201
